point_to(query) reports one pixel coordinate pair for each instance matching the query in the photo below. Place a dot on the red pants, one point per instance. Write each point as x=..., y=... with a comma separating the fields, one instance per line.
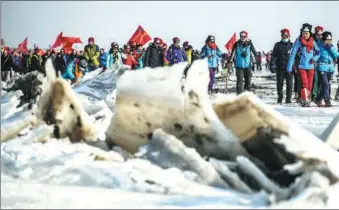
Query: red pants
x=306, y=77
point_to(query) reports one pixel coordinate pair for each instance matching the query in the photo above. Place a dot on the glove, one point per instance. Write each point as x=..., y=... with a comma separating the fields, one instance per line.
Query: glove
x=312, y=61
x=243, y=54
x=272, y=68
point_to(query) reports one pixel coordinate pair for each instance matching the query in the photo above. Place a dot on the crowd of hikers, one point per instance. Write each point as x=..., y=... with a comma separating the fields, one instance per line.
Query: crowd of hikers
x=309, y=61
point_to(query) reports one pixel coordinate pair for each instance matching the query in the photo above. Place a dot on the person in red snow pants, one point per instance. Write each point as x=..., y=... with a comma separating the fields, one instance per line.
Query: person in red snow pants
x=306, y=77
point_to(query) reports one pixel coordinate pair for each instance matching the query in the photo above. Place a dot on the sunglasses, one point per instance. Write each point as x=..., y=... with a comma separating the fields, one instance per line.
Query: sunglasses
x=212, y=41
x=242, y=37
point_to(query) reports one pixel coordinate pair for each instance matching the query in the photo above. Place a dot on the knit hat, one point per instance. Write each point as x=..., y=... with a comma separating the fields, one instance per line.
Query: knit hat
x=318, y=30
x=157, y=40
x=185, y=44
x=91, y=39
x=210, y=38
x=306, y=28
x=327, y=35
x=285, y=32
x=244, y=33
x=175, y=39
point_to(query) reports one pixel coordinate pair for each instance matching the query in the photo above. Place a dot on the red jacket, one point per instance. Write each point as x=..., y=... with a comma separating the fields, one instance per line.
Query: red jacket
x=129, y=61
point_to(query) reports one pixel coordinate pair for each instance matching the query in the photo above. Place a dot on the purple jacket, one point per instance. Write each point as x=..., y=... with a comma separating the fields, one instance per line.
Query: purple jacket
x=176, y=55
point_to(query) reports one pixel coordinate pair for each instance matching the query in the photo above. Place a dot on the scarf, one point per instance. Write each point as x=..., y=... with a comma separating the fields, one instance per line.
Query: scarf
x=307, y=43
x=212, y=45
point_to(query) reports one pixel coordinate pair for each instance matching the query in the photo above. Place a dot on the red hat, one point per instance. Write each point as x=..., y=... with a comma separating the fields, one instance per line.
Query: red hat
x=91, y=39
x=157, y=40
x=319, y=30
x=244, y=33
x=175, y=39
x=285, y=31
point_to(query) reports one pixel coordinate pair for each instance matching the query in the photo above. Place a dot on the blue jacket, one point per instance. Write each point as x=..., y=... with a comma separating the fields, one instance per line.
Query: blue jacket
x=103, y=58
x=114, y=59
x=176, y=55
x=213, y=55
x=141, y=61
x=242, y=52
x=68, y=74
x=305, y=57
x=327, y=58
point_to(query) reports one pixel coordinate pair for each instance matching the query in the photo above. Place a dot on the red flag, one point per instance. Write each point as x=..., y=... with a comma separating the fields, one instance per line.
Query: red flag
x=41, y=52
x=231, y=42
x=68, y=43
x=140, y=36
x=22, y=47
x=58, y=42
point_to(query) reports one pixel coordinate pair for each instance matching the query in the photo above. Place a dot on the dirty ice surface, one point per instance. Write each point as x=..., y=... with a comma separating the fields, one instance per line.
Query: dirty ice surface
x=58, y=174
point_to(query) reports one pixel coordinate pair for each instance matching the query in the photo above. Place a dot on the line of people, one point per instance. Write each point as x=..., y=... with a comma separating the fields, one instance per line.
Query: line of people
x=310, y=60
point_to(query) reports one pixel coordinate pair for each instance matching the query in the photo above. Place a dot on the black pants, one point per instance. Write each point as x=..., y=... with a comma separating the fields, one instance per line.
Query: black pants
x=241, y=75
x=259, y=66
x=297, y=83
x=281, y=76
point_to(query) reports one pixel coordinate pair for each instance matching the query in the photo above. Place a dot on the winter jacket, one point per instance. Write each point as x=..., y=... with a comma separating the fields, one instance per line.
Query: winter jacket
x=103, y=58
x=114, y=58
x=60, y=64
x=17, y=60
x=128, y=60
x=305, y=57
x=91, y=54
x=328, y=56
x=24, y=63
x=213, y=55
x=139, y=57
x=36, y=63
x=70, y=68
x=154, y=56
x=6, y=62
x=189, y=54
x=281, y=53
x=242, y=53
x=175, y=55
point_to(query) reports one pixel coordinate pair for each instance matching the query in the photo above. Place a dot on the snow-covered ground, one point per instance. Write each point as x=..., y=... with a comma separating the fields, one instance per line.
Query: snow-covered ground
x=58, y=174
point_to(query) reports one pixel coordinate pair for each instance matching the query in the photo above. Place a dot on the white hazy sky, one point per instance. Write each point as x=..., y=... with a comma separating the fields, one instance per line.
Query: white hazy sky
x=191, y=21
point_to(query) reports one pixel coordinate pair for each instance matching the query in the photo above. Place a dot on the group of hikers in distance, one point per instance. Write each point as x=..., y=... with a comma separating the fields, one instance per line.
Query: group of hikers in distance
x=309, y=61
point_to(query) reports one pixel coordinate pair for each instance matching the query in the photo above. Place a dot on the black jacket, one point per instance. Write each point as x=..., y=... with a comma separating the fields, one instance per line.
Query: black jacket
x=36, y=64
x=154, y=56
x=59, y=64
x=6, y=62
x=281, y=54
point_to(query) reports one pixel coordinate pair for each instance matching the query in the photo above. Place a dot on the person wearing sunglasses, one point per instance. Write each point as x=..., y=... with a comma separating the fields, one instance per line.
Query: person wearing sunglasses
x=154, y=56
x=326, y=66
x=114, y=56
x=316, y=88
x=280, y=56
x=309, y=54
x=213, y=55
x=241, y=53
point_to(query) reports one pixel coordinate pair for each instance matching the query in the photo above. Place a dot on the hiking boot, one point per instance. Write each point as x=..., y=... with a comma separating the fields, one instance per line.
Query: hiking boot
x=298, y=100
x=319, y=103
x=288, y=101
x=337, y=95
x=305, y=103
x=328, y=103
x=280, y=98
